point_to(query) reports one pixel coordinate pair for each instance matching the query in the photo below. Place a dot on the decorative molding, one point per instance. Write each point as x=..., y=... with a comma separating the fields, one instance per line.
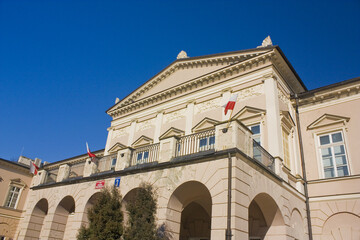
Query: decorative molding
x=173, y=116
x=141, y=126
x=120, y=132
x=116, y=147
x=206, y=123
x=326, y=120
x=172, y=132
x=207, y=105
x=248, y=112
x=250, y=92
x=141, y=141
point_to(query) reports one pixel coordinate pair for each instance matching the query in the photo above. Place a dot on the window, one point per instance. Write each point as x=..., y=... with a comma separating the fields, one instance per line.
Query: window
x=207, y=143
x=286, y=148
x=142, y=156
x=12, y=197
x=256, y=130
x=113, y=164
x=333, y=155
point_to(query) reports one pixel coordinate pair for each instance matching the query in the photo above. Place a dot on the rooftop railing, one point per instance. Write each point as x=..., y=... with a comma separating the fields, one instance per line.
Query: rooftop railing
x=196, y=142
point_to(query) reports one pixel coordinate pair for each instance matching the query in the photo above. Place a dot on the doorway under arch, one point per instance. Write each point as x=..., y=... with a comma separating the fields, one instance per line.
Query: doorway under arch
x=92, y=200
x=59, y=225
x=265, y=218
x=37, y=219
x=189, y=211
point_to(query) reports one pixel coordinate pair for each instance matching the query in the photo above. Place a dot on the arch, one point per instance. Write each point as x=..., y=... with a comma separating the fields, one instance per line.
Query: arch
x=189, y=211
x=37, y=219
x=59, y=226
x=265, y=218
x=297, y=224
x=92, y=200
x=343, y=225
x=129, y=197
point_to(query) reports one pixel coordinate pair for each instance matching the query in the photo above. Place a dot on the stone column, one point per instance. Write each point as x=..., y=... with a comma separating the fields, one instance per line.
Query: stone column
x=89, y=168
x=64, y=171
x=123, y=159
x=167, y=149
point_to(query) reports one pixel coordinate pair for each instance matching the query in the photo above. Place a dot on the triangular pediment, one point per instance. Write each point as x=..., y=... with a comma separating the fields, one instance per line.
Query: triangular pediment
x=328, y=119
x=116, y=147
x=287, y=120
x=248, y=112
x=142, y=141
x=172, y=132
x=185, y=70
x=205, y=124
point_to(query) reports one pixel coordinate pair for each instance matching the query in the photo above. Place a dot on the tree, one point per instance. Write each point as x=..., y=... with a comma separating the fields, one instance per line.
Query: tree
x=141, y=224
x=105, y=218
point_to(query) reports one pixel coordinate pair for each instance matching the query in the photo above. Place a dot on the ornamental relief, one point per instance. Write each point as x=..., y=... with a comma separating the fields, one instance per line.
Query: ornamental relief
x=120, y=132
x=282, y=97
x=145, y=125
x=173, y=116
x=207, y=106
x=250, y=92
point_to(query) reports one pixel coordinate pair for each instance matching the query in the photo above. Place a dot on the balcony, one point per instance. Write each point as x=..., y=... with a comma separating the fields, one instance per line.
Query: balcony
x=172, y=148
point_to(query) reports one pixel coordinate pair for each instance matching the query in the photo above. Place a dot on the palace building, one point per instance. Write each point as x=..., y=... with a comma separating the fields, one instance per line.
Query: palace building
x=282, y=165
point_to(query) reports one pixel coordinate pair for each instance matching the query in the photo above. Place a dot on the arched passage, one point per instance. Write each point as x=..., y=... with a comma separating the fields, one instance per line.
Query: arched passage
x=88, y=205
x=59, y=224
x=189, y=211
x=37, y=219
x=129, y=197
x=342, y=225
x=265, y=218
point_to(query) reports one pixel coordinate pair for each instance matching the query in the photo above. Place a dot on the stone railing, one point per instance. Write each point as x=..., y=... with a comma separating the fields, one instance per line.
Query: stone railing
x=223, y=136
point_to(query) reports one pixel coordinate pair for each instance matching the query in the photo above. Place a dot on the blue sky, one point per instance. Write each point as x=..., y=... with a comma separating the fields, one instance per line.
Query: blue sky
x=63, y=63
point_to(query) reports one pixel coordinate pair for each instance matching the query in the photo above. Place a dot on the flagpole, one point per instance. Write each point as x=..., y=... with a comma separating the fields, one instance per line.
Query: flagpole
x=227, y=126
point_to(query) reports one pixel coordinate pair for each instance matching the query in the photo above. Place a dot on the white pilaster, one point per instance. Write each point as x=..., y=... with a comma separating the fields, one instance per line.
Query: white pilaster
x=189, y=118
x=108, y=141
x=132, y=132
x=273, y=117
x=158, y=123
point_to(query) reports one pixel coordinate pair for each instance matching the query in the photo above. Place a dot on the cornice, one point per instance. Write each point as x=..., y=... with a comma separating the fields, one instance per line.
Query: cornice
x=129, y=105
x=329, y=95
x=70, y=162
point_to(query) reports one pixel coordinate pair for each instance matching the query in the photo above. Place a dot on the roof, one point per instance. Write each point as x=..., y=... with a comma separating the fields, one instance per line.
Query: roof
x=15, y=163
x=269, y=48
x=327, y=87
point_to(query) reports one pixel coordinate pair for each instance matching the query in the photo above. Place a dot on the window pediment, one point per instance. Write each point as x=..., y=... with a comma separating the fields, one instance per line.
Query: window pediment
x=286, y=120
x=116, y=147
x=172, y=132
x=205, y=124
x=326, y=120
x=248, y=112
x=142, y=141
x=18, y=182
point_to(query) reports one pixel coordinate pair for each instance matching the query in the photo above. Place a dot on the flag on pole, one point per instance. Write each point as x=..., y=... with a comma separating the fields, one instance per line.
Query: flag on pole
x=90, y=153
x=33, y=168
x=231, y=103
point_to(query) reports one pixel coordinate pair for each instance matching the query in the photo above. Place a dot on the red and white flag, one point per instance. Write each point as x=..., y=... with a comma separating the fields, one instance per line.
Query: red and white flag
x=89, y=153
x=231, y=103
x=33, y=168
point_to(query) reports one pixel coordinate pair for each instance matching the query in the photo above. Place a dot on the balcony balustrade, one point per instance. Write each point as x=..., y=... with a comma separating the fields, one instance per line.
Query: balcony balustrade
x=146, y=154
x=195, y=143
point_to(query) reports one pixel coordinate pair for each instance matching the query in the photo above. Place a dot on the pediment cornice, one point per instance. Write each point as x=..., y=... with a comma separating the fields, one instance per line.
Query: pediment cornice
x=131, y=103
x=205, y=124
x=141, y=141
x=172, y=132
x=116, y=147
x=326, y=120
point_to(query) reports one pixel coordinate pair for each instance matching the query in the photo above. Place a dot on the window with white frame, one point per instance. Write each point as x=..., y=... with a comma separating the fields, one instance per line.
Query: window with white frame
x=333, y=155
x=113, y=164
x=12, y=197
x=207, y=143
x=256, y=130
x=142, y=156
